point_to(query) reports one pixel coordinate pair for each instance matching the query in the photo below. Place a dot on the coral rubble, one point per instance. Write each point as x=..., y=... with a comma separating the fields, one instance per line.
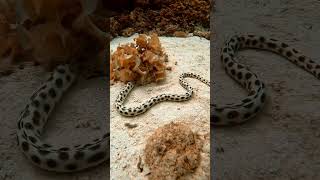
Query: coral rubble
x=163, y=17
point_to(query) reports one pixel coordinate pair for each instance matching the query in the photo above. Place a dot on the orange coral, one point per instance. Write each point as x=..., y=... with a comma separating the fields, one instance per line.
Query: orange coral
x=60, y=30
x=51, y=32
x=9, y=46
x=143, y=62
x=4, y=25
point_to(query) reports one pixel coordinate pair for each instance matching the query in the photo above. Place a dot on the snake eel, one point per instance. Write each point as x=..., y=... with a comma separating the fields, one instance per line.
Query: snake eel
x=142, y=108
x=249, y=107
x=33, y=119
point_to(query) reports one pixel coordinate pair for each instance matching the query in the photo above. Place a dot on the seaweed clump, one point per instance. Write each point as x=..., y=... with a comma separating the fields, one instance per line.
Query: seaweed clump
x=142, y=61
x=173, y=152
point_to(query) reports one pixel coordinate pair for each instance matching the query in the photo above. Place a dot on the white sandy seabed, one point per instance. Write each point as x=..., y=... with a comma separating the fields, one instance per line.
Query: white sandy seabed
x=190, y=54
